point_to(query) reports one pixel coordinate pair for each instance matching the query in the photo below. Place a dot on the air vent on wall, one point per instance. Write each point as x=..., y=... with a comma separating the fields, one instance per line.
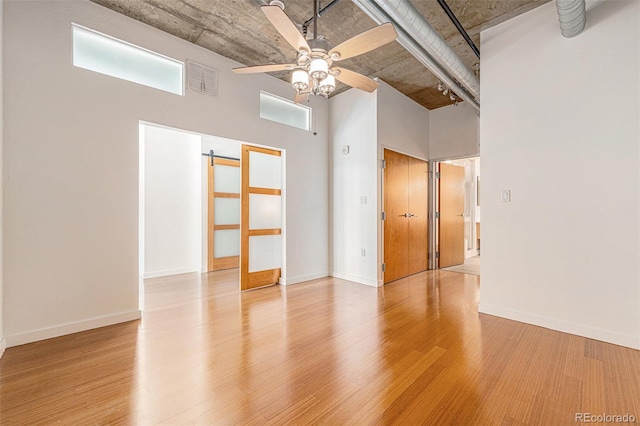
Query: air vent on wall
x=202, y=79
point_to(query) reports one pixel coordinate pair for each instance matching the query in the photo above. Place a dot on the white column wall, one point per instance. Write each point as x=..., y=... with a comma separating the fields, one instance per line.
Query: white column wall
x=354, y=187
x=560, y=130
x=71, y=161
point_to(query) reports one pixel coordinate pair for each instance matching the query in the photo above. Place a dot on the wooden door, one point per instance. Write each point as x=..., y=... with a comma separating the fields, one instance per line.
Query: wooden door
x=261, y=219
x=224, y=214
x=418, y=220
x=451, y=229
x=406, y=245
x=396, y=223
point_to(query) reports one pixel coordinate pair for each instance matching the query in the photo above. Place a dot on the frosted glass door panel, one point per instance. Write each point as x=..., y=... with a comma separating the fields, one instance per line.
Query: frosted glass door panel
x=226, y=179
x=265, y=171
x=265, y=211
x=226, y=243
x=265, y=252
x=226, y=211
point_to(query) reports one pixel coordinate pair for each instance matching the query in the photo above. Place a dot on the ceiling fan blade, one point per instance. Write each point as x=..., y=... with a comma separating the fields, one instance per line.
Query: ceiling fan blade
x=263, y=68
x=365, y=42
x=301, y=98
x=356, y=80
x=285, y=27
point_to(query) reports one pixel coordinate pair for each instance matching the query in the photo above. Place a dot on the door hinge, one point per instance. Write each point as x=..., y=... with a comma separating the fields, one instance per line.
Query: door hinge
x=437, y=215
x=437, y=255
x=383, y=215
x=437, y=175
x=384, y=267
x=384, y=164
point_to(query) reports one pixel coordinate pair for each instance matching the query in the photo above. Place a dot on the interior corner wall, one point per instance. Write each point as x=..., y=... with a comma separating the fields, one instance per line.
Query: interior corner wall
x=3, y=342
x=72, y=165
x=559, y=129
x=173, y=202
x=454, y=132
x=354, y=186
x=403, y=124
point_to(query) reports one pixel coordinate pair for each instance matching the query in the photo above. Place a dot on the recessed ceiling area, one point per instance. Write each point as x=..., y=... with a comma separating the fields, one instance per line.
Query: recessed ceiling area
x=240, y=31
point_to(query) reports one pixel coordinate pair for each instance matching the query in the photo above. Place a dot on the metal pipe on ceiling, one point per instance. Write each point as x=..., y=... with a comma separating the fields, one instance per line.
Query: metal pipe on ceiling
x=454, y=19
x=305, y=25
x=426, y=45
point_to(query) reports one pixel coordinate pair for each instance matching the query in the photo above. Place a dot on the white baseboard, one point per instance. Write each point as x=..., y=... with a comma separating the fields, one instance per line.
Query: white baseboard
x=3, y=346
x=356, y=279
x=302, y=278
x=565, y=327
x=71, y=327
x=167, y=272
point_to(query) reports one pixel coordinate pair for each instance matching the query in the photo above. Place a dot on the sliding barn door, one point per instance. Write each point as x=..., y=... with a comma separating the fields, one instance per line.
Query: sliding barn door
x=224, y=214
x=451, y=230
x=406, y=247
x=261, y=222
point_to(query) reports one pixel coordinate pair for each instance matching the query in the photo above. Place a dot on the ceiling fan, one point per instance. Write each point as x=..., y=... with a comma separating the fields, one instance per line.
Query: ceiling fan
x=314, y=72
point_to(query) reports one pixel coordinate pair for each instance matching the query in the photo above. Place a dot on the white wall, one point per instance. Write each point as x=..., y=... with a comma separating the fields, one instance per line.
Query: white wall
x=71, y=151
x=173, y=202
x=403, y=124
x=454, y=132
x=559, y=128
x=3, y=342
x=354, y=224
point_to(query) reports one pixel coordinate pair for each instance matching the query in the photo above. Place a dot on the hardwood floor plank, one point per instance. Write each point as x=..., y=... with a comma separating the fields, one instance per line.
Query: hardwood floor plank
x=324, y=352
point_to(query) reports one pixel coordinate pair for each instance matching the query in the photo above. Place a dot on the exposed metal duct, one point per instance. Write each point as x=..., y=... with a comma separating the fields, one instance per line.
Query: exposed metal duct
x=572, y=15
x=425, y=44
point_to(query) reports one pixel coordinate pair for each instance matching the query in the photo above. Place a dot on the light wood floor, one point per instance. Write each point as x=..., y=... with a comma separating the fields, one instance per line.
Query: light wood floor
x=331, y=352
x=471, y=266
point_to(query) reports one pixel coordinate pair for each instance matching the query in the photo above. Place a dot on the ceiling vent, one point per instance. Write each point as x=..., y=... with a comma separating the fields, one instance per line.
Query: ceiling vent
x=202, y=79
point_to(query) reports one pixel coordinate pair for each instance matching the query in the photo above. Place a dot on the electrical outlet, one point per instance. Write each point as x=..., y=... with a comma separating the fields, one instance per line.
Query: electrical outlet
x=363, y=251
x=345, y=149
x=363, y=200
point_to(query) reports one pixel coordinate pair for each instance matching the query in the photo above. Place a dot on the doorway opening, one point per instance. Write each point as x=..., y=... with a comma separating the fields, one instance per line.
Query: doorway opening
x=181, y=228
x=458, y=215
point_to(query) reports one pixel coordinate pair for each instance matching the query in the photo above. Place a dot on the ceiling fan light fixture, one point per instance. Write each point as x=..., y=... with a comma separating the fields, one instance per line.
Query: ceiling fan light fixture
x=328, y=85
x=318, y=69
x=300, y=80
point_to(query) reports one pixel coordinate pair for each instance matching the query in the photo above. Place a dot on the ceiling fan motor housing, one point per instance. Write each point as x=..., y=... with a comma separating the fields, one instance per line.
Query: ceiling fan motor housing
x=277, y=3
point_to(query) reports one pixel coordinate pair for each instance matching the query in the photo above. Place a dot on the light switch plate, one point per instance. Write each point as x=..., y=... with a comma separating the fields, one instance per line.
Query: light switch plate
x=345, y=149
x=506, y=195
